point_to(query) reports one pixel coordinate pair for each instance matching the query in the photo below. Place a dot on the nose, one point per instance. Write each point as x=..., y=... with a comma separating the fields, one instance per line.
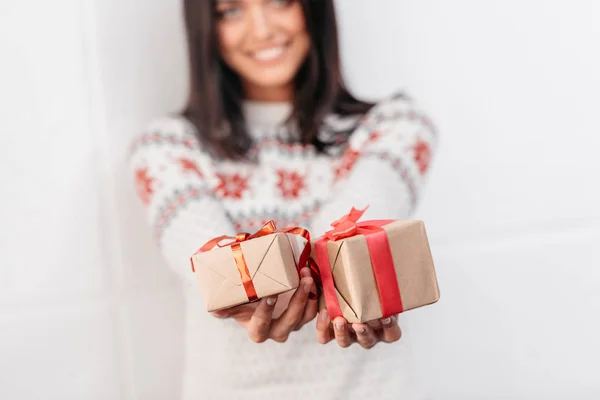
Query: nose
x=261, y=26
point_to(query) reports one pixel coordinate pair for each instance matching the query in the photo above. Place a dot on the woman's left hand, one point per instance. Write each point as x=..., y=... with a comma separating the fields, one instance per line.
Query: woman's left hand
x=367, y=335
x=258, y=319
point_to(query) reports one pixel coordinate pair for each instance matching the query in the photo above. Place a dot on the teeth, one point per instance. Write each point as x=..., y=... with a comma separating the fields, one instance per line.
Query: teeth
x=269, y=54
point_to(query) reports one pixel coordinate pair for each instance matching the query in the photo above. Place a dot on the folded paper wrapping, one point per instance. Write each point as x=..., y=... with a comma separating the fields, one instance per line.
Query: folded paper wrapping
x=354, y=279
x=272, y=262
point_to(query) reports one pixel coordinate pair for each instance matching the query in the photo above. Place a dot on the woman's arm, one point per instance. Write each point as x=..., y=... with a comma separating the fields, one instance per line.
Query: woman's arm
x=385, y=165
x=174, y=181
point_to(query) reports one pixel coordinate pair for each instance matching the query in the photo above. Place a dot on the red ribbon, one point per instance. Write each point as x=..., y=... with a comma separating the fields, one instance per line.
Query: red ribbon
x=238, y=255
x=381, y=260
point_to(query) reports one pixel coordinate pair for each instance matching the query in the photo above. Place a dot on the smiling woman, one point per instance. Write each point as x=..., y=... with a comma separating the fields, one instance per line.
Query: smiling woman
x=268, y=60
x=270, y=132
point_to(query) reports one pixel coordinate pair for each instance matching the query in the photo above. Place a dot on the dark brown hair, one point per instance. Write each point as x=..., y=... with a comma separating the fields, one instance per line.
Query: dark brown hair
x=215, y=99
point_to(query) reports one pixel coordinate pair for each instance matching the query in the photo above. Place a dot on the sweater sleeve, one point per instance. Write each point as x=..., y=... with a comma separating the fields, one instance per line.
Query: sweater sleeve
x=385, y=165
x=174, y=180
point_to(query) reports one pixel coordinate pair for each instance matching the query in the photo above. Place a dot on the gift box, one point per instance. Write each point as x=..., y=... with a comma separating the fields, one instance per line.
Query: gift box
x=375, y=269
x=250, y=267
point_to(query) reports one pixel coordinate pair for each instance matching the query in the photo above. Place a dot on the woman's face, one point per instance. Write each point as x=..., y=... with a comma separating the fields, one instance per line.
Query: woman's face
x=265, y=42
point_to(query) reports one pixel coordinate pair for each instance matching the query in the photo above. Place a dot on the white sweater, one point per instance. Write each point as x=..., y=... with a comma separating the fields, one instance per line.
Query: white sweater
x=191, y=197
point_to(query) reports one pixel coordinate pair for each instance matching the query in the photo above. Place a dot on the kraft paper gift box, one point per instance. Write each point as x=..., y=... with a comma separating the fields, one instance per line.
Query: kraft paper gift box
x=374, y=269
x=250, y=267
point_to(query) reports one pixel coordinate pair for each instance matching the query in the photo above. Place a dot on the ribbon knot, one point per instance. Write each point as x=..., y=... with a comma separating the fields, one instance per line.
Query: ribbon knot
x=346, y=226
x=240, y=237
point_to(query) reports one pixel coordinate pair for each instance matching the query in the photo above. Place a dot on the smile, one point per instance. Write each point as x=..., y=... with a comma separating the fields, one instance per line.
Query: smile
x=270, y=54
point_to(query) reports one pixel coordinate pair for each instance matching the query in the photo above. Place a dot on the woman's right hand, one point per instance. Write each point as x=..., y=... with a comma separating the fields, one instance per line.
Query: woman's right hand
x=257, y=317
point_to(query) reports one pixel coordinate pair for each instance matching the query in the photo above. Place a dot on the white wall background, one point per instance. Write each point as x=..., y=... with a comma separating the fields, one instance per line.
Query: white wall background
x=88, y=312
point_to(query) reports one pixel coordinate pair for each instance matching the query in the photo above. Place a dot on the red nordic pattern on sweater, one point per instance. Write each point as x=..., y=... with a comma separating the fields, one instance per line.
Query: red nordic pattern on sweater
x=346, y=163
x=422, y=155
x=231, y=186
x=290, y=183
x=144, y=185
x=374, y=136
x=251, y=221
x=188, y=166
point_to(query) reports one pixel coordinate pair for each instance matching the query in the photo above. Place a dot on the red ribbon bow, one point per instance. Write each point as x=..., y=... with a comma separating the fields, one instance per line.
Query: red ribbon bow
x=238, y=255
x=381, y=260
x=345, y=226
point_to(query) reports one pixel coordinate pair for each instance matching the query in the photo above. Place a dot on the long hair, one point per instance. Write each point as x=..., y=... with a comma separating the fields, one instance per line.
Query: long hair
x=214, y=105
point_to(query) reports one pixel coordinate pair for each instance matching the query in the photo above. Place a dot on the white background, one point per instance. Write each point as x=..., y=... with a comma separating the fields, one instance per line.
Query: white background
x=87, y=311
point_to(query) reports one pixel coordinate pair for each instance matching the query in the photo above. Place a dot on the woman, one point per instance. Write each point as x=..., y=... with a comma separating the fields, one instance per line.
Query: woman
x=271, y=132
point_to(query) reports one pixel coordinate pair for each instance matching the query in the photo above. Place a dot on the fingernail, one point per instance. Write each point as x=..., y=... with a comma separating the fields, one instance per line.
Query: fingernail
x=307, y=285
x=386, y=321
x=340, y=326
x=361, y=330
x=324, y=315
x=271, y=301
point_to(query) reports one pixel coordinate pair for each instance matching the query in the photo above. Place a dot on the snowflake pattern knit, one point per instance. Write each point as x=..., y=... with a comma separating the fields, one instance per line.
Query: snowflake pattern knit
x=191, y=197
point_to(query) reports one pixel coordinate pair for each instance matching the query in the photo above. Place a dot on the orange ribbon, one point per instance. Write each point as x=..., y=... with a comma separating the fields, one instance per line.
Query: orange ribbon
x=238, y=255
x=381, y=261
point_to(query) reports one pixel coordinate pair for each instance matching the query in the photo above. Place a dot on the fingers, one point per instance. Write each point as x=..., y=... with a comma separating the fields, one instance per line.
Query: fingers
x=310, y=311
x=375, y=324
x=305, y=273
x=324, y=328
x=391, y=331
x=260, y=322
x=365, y=336
x=342, y=335
x=281, y=327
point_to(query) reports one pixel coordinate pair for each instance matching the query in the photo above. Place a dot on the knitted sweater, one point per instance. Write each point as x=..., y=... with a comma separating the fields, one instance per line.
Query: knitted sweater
x=191, y=197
